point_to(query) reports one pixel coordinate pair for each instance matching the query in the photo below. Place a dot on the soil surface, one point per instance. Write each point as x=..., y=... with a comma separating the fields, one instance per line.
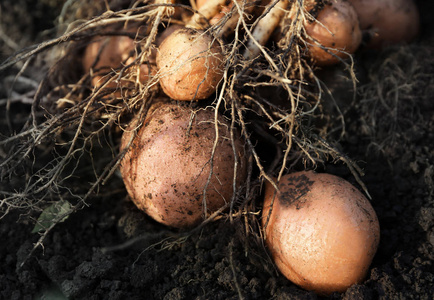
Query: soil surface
x=110, y=250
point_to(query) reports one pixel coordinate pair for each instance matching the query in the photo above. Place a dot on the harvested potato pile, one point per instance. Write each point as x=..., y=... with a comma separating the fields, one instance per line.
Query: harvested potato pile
x=203, y=105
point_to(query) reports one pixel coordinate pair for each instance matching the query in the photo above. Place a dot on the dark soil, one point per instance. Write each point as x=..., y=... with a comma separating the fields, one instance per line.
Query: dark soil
x=110, y=250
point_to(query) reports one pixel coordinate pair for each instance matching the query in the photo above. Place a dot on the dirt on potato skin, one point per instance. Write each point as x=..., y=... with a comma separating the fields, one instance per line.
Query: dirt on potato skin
x=221, y=261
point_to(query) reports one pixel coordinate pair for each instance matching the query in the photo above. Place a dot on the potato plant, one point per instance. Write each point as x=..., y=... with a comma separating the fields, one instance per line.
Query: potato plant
x=253, y=109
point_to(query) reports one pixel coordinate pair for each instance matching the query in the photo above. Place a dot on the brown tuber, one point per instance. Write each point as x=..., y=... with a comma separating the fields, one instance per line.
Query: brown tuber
x=387, y=22
x=167, y=167
x=107, y=53
x=336, y=28
x=190, y=63
x=322, y=232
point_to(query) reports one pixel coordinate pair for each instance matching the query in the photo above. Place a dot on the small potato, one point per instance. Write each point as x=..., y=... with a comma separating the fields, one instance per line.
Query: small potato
x=167, y=167
x=107, y=53
x=388, y=22
x=336, y=27
x=322, y=232
x=190, y=63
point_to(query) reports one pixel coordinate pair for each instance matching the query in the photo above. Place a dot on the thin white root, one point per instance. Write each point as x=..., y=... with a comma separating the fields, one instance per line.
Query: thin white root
x=265, y=28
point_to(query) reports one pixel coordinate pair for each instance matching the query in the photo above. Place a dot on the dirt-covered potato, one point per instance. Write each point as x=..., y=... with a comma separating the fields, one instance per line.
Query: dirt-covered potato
x=388, y=22
x=190, y=64
x=336, y=28
x=107, y=53
x=166, y=169
x=322, y=232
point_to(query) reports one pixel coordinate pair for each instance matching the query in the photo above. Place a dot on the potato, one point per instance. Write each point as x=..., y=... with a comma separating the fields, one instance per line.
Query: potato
x=107, y=53
x=337, y=28
x=190, y=64
x=322, y=232
x=388, y=21
x=167, y=167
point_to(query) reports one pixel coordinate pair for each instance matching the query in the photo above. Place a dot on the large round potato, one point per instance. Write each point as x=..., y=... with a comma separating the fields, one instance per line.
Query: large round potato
x=166, y=169
x=322, y=232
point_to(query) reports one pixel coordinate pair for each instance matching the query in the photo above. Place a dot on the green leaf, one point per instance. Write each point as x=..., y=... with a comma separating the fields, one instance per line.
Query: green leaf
x=53, y=214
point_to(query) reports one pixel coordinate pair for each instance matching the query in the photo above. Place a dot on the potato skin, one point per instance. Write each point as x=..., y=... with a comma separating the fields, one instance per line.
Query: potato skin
x=337, y=28
x=106, y=53
x=388, y=21
x=322, y=232
x=190, y=64
x=166, y=168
